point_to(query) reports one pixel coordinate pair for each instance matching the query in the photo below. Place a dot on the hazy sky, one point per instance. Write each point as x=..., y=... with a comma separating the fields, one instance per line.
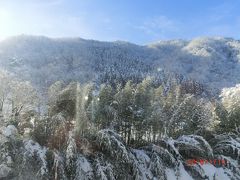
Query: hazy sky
x=138, y=21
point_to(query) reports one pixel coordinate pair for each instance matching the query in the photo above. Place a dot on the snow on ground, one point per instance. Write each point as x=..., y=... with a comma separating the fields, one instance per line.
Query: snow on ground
x=182, y=175
x=170, y=174
x=211, y=171
x=214, y=173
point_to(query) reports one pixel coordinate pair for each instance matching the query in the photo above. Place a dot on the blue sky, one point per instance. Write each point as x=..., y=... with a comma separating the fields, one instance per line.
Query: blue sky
x=137, y=21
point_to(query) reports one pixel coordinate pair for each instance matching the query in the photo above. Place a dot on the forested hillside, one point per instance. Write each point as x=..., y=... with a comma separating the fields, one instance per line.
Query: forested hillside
x=79, y=109
x=43, y=61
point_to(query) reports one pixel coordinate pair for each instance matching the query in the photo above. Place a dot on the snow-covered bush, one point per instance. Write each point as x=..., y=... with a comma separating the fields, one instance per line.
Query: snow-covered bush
x=34, y=150
x=112, y=143
x=84, y=170
x=193, y=146
x=10, y=131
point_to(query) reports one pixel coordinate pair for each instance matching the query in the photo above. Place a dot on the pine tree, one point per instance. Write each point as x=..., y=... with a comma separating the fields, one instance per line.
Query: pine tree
x=104, y=112
x=125, y=108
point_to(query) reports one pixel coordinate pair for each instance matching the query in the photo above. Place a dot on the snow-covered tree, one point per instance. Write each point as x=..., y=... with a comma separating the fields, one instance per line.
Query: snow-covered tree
x=23, y=97
x=5, y=86
x=104, y=109
x=125, y=110
x=71, y=156
x=230, y=98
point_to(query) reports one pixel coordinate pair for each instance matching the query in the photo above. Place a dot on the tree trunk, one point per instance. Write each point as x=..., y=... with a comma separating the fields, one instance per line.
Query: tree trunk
x=129, y=134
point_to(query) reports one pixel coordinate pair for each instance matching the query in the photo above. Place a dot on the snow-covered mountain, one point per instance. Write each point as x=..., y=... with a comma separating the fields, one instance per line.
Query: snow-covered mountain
x=123, y=132
x=212, y=61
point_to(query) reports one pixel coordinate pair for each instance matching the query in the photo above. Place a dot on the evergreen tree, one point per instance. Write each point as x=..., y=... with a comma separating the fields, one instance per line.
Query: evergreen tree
x=71, y=156
x=125, y=108
x=103, y=111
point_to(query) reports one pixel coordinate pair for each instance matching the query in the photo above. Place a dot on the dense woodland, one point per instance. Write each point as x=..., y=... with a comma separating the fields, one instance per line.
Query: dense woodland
x=70, y=123
x=140, y=112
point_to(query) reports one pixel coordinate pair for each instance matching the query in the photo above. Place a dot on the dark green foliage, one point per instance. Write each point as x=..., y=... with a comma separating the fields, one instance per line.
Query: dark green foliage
x=41, y=132
x=229, y=120
x=143, y=112
x=103, y=116
x=140, y=112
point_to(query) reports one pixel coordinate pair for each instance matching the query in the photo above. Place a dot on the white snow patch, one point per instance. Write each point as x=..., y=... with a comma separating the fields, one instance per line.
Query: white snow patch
x=214, y=173
x=189, y=140
x=197, y=141
x=84, y=169
x=183, y=175
x=10, y=131
x=170, y=174
x=35, y=149
x=141, y=155
x=142, y=165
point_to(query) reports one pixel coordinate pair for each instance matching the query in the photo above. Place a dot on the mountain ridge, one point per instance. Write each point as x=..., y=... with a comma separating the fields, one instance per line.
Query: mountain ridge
x=214, y=61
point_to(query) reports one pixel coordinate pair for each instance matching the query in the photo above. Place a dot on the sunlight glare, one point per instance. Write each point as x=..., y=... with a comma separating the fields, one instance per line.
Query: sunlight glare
x=4, y=24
